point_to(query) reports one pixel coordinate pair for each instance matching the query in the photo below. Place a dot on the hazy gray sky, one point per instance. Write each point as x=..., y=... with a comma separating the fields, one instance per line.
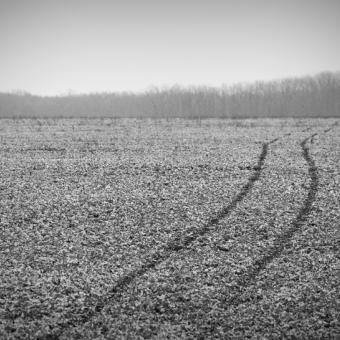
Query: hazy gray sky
x=52, y=46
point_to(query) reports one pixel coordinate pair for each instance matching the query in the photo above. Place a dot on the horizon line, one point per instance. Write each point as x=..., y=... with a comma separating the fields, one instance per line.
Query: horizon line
x=167, y=87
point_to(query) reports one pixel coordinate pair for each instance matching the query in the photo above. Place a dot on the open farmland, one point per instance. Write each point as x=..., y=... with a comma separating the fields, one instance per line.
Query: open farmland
x=181, y=229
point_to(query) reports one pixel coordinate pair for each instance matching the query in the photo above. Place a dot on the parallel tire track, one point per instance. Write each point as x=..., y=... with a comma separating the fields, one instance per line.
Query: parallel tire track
x=173, y=246
x=179, y=243
x=281, y=242
x=192, y=234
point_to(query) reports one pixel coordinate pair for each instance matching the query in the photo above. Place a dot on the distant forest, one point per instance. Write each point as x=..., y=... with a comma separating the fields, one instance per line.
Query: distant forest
x=312, y=96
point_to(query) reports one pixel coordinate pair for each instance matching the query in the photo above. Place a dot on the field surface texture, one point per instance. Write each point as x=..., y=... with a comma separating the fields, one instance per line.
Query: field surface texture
x=169, y=229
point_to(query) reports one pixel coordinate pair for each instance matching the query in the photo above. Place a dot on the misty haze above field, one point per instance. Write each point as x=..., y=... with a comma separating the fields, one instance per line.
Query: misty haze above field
x=317, y=96
x=52, y=47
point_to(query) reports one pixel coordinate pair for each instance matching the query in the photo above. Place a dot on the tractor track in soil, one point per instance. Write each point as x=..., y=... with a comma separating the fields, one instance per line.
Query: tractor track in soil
x=175, y=245
x=284, y=239
x=281, y=242
x=178, y=244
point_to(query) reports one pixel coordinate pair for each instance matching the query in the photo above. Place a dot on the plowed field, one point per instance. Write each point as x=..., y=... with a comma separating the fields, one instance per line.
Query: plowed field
x=169, y=229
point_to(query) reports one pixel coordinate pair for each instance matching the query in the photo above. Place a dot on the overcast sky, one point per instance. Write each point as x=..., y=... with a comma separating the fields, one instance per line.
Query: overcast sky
x=53, y=46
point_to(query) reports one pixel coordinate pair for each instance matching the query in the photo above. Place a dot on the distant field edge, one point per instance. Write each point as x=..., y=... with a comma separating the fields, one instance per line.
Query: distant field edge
x=154, y=117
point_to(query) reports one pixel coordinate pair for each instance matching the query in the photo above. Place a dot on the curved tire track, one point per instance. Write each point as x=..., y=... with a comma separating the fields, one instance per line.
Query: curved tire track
x=176, y=244
x=280, y=243
x=173, y=246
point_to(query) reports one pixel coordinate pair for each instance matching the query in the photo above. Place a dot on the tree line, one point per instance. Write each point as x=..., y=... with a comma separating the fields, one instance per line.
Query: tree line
x=309, y=96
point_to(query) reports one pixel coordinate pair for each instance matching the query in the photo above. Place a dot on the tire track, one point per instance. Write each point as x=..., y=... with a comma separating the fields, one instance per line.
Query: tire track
x=280, y=243
x=179, y=243
x=259, y=265
x=175, y=245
